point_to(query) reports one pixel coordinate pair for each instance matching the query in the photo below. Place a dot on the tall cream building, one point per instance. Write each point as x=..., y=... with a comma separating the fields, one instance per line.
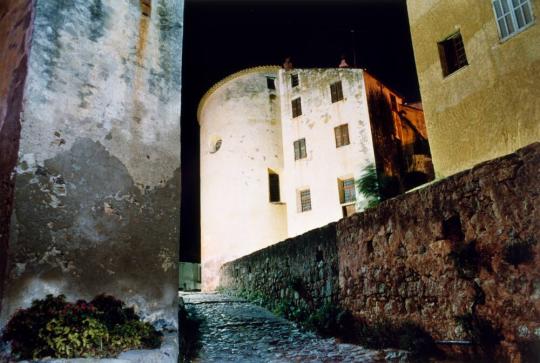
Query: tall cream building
x=280, y=151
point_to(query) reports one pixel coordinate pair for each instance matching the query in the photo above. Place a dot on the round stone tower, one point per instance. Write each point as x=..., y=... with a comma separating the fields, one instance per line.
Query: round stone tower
x=241, y=165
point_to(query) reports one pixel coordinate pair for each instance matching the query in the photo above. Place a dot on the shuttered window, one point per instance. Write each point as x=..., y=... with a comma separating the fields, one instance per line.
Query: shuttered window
x=512, y=16
x=305, y=200
x=294, y=80
x=296, y=107
x=336, y=91
x=342, y=135
x=452, y=54
x=300, y=149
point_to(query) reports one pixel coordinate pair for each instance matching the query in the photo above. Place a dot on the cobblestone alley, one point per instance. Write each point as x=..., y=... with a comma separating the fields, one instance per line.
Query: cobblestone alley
x=234, y=330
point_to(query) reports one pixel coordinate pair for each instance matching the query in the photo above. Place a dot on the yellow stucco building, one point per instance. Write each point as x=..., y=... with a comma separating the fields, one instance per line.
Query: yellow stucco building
x=478, y=64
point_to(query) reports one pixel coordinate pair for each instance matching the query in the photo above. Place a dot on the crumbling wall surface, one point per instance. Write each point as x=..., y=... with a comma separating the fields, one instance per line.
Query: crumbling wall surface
x=299, y=270
x=97, y=193
x=467, y=245
x=15, y=33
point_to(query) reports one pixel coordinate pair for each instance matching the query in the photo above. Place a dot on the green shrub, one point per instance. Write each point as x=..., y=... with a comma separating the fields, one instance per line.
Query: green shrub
x=52, y=327
x=368, y=185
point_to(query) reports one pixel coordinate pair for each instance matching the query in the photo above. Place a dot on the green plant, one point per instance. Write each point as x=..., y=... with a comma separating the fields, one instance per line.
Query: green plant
x=368, y=185
x=52, y=327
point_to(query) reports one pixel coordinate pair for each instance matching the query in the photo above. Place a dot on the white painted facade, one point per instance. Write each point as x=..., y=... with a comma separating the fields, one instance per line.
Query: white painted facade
x=257, y=132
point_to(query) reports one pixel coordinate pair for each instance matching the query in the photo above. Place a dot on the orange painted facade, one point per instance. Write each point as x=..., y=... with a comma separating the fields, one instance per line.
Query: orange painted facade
x=401, y=145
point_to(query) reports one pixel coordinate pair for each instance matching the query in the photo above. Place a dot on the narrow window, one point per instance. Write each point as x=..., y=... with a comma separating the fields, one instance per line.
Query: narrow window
x=347, y=193
x=273, y=183
x=336, y=91
x=271, y=83
x=300, y=149
x=305, y=200
x=342, y=135
x=452, y=54
x=294, y=80
x=512, y=16
x=296, y=107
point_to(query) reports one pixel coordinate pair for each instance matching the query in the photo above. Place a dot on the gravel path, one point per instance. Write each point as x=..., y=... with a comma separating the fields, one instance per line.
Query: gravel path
x=237, y=331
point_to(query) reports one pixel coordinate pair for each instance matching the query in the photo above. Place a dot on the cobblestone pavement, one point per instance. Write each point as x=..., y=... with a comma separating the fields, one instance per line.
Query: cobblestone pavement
x=237, y=331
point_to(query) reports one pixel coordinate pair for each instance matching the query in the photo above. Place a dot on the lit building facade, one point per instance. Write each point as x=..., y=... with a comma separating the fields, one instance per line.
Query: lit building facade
x=281, y=151
x=478, y=66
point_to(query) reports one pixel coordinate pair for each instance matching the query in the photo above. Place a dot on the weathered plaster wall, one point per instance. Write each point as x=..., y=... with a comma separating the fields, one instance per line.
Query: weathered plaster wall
x=488, y=108
x=97, y=194
x=430, y=256
x=15, y=32
x=325, y=162
x=237, y=216
x=300, y=270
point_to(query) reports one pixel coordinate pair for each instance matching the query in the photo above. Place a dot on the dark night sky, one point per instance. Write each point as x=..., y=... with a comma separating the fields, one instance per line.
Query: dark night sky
x=223, y=37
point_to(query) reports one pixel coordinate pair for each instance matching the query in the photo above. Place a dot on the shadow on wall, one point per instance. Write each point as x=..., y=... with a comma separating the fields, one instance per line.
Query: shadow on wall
x=15, y=31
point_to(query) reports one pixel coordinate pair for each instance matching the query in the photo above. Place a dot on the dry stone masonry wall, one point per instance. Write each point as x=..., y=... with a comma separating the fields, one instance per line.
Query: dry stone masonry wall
x=300, y=270
x=463, y=248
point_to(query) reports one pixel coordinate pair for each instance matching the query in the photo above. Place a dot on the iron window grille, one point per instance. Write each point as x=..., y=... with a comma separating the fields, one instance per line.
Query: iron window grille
x=305, y=200
x=295, y=81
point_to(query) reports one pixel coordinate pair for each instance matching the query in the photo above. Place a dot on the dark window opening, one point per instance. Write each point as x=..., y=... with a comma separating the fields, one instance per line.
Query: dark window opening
x=336, y=91
x=296, y=107
x=273, y=182
x=452, y=54
x=294, y=80
x=342, y=135
x=305, y=200
x=300, y=149
x=271, y=83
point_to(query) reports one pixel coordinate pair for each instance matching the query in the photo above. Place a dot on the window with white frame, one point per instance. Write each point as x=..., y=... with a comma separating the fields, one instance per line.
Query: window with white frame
x=512, y=16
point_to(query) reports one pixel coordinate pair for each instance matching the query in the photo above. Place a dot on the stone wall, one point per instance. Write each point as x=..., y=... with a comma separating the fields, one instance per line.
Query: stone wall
x=464, y=246
x=97, y=193
x=301, y=270
x=15, y=32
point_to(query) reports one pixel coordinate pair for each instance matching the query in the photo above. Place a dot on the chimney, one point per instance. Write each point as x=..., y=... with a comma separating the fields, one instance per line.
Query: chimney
x=287, y=65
